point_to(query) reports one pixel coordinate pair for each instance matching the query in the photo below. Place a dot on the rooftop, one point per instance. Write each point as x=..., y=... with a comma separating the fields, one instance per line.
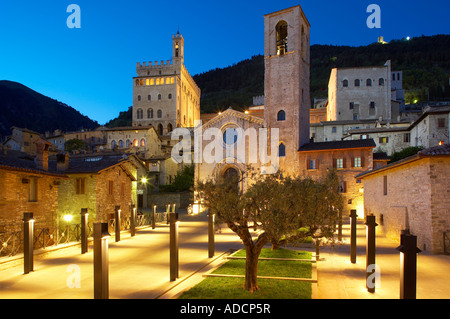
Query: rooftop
x=334, y=145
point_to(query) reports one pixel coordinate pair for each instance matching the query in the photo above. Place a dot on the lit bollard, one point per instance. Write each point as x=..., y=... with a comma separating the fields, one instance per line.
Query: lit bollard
x=353, y=222
x=408, y=266
x=117, y=225
x=101, y=261
x=370, y=253
x=132, y=220
x=154, y=217
x=28, y=242
x=84, y=230
x=174, y=273
x=211, y=217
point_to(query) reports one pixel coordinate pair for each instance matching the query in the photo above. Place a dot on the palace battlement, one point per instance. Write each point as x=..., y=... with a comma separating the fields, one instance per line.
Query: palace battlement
x=156, y=64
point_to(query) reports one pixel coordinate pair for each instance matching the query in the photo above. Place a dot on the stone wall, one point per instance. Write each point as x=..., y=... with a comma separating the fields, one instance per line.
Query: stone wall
x=417, y=195
x=180, y=199
x=14, y=199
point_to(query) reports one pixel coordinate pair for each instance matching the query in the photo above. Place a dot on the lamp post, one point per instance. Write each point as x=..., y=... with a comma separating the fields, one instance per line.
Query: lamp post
x=117, y=227
x=174, y=273
x=132, y=220
x=28, y=242
x=353, y=221
x=370, y=252
x=84, y=232
x=101, y=261
x=408, y=265
x=211, y=217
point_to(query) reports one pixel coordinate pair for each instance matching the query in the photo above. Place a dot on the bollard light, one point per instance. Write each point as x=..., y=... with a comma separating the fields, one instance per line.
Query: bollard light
x=84, y=232
x=154, y=217
x=211, y=218
x=408, y=265
x=353, y=222
x=101, y=261
x=370, y=253
x=117, y=225
x=28, y=242
x=132, y=220
x=174, y=256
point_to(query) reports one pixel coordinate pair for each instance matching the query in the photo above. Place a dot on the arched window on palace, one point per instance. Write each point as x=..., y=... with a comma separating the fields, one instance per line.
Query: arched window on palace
x=357, y=82
x=142, y=142
x=140, y=114
x=169, y=128
x=281, y=116
x=368, y=82
x=159, y=114
x=282, y=37
x=160, y=129
x=381, y=81
x=345, y=83
x=150, y=113
x=128, y=143
x=120, y=144
x=135, y=143
x=281, y=150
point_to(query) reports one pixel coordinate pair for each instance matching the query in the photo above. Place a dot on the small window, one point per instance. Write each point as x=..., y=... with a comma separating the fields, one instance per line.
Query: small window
x=406, y=137
x=159, y=114
x=333, y=129
x=342, y=187
x=110, y=187
x=135, y=143
x=345, y=83
x=312, y=164
x=441, y=123
x=149, y=97
x=281, y=116
x=142, y=142
x=159, y=97
x=385, y=185
x=170, y=96
x=140, y=114
x=383, y=140
x=122, y=189
x=372, y=104
x=339, y=163
x=80, y=186
x=281, y=150
x=368, y=82
x=120, y=143
x=381, y=81
x=351, y=105
x=139, y=97
x=357, y=162
x=150, y=113
x=357, y=82
x=33, y=190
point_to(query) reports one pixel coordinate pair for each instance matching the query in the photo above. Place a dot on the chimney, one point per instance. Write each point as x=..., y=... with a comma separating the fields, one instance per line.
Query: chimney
x=42, y=148
x=62, y=162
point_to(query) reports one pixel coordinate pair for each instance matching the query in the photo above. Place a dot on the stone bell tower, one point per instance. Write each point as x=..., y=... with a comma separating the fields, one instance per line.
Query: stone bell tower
x=286, y=84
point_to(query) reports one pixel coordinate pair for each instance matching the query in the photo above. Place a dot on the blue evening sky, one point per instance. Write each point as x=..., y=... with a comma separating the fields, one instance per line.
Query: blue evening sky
x=91, y=68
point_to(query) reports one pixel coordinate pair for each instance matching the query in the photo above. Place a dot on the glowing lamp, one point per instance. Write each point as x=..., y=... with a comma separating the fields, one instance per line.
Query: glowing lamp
x=68, y=218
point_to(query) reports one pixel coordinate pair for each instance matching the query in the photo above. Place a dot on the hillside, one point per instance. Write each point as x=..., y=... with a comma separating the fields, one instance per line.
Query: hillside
x=425, y=62
x=21, y=106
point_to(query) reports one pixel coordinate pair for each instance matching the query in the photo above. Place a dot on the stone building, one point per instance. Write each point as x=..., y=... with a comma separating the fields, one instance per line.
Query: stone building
x=412, y=194
x=98, y=183
x=22, y=139
x=141, y=140
x=349, y=158
x=95, y=139
x=363, y=93
x=431, y=128
x=28, y=185
x=164, y=94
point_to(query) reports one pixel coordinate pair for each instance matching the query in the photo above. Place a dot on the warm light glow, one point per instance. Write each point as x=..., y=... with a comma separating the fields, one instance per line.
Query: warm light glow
x=246, y=112
x=441, y=142
x=68, y=218
x=144, y=180
x=220, y=113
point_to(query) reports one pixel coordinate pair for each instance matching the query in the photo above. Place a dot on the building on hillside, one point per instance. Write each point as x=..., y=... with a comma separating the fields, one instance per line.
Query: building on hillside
x=412, y=194
x=141, y=140
x=364, y=93
x=28, y=185
x=22, y=139
x=431, y=128
x=95, y=139
x=164, y=94
x=349, y=158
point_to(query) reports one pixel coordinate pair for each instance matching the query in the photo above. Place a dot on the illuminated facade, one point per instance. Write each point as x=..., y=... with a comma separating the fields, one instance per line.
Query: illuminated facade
x=164, y=94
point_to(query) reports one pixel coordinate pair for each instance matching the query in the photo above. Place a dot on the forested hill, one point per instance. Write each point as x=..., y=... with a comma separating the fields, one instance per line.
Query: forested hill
x=425, y=62
x=22, y=107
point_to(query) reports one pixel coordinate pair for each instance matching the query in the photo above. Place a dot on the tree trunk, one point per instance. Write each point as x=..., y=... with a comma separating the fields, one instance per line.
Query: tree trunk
x=251, y=269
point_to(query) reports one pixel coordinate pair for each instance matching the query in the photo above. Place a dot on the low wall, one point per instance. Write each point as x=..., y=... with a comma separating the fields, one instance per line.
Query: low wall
x=181, y=199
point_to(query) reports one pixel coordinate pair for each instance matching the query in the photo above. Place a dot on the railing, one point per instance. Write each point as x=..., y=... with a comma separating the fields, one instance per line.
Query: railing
x=11, y=243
